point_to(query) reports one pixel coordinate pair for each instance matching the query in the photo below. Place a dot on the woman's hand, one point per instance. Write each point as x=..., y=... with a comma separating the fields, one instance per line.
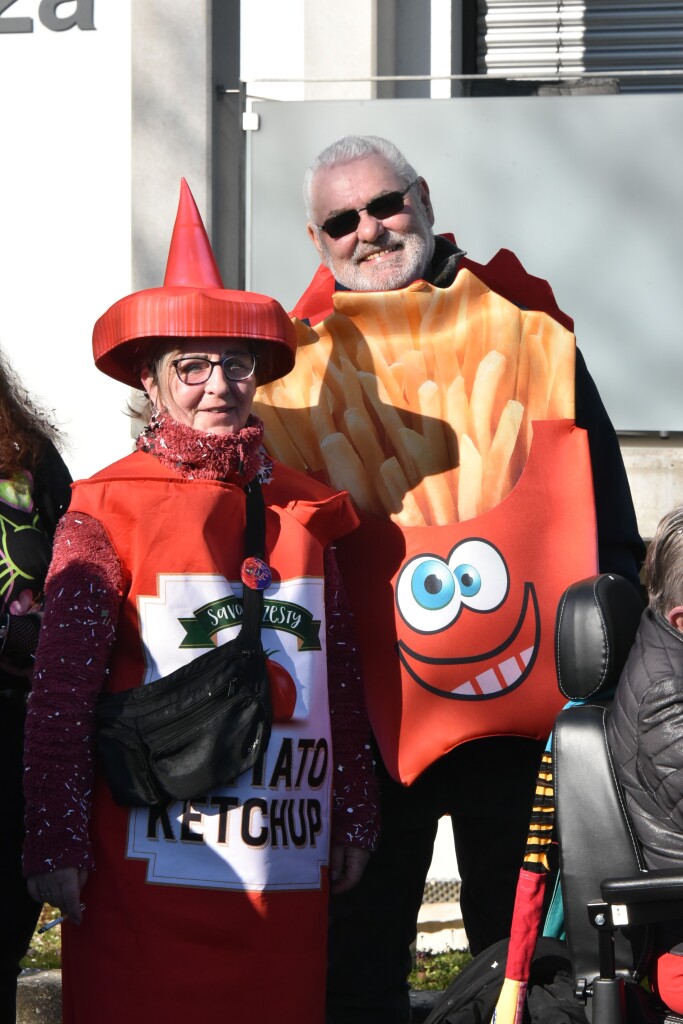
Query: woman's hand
x=61, y=888
x=347, y=864
x=25, y=604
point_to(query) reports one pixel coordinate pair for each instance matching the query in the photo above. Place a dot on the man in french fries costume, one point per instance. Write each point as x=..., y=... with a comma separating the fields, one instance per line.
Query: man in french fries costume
x=448, y=397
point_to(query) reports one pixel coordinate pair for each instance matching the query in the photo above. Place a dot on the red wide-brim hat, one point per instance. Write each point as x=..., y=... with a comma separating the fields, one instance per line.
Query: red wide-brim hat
x=191, y=304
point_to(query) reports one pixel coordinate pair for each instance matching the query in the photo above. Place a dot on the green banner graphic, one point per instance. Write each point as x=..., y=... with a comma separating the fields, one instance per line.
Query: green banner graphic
x=207, y=621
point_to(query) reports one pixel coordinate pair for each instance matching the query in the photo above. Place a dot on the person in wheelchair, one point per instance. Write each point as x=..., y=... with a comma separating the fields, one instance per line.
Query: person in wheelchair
x=645, y=733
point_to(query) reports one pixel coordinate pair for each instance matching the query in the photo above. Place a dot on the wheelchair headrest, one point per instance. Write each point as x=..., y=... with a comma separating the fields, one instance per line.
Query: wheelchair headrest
x=596, y=624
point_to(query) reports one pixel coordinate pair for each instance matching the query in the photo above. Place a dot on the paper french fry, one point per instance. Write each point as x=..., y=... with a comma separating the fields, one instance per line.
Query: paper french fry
x=398, y=375
x=457, y=415
x=388, y=416
x=432, y=424
x=281, y=445
x=353, y=393
x=305, y=439
x=347, y=473
x=407, y=511
x=471, y=473
x=415, y=374
x=487, y=381
x=537, y=397
x=497, y=469
x=365, y=441
x=321, y=416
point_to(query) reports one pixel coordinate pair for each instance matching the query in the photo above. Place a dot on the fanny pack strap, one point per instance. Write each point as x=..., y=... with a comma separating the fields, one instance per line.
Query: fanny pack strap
x=252, y=600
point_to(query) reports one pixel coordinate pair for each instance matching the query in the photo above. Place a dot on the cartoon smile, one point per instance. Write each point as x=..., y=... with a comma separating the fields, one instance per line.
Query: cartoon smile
x=482, y=676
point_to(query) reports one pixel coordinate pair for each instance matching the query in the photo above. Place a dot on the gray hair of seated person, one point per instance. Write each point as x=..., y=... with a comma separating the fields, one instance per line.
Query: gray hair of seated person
x=356, y=147
x=664, y=563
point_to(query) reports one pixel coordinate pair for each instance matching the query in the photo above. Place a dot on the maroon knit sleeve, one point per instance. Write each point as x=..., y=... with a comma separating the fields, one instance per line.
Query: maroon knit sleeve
x=355, y=816
x=83, y=594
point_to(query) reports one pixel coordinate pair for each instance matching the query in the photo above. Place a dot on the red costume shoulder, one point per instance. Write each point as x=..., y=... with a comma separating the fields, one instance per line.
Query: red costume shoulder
x=316, y=302
x=327, y=513
x=136, y=464
x=505, y=275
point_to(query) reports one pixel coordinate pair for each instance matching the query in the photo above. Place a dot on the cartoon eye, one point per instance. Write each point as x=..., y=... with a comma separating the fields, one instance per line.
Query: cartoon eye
x=430, y=592
x=427, y=594
x=432, y=584
x=469, y=580
x=481, y=574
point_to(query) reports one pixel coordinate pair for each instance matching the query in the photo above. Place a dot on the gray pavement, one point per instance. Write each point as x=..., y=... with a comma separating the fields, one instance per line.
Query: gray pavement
x=39, y=997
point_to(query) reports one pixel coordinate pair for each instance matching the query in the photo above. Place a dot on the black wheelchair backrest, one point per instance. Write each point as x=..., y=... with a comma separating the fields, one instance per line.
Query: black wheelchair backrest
x=597, y=620
x=596, y=625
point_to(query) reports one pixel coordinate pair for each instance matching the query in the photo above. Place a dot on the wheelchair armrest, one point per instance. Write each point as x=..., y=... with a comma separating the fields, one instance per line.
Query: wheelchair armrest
x=646, y=887
x=646, y=898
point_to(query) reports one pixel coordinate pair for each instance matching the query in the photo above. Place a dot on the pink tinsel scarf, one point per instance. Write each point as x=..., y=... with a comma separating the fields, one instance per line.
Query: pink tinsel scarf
x=204, y=456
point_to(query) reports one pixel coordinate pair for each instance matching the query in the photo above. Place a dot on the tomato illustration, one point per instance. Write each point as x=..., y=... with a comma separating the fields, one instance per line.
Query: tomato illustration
x=282, y=691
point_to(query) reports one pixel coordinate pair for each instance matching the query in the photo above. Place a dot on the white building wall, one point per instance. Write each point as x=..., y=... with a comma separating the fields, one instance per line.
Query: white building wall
x=277, y=52
x=65, y=214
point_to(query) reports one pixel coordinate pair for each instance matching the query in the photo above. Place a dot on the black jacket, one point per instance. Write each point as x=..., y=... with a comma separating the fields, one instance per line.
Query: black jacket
x=646, y=735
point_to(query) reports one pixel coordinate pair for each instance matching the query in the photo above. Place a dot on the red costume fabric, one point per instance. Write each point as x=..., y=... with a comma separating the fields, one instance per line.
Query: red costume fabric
x=490, y=669
x=190, y=900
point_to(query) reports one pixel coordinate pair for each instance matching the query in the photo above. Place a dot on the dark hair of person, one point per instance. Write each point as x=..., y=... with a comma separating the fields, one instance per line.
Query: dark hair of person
x=664, y=563
x=25, y=431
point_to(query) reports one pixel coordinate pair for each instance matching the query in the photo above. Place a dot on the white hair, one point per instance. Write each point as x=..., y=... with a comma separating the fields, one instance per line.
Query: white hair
x=664, y=563
x=356, y=147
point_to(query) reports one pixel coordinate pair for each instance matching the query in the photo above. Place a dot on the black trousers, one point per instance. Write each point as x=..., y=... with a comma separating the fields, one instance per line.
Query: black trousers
x=487, y=788
x=18, y=912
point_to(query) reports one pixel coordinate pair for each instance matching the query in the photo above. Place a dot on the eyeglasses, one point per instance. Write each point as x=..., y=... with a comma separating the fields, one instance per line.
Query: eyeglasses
x=381, y=207
x=197, y=369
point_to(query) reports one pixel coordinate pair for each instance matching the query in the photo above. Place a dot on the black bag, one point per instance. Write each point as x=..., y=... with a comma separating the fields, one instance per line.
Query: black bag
x=471, y=998
x=201, y=726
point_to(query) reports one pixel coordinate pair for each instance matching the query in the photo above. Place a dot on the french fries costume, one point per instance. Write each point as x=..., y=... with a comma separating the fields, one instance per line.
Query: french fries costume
x=448, y=413
x=216, y=905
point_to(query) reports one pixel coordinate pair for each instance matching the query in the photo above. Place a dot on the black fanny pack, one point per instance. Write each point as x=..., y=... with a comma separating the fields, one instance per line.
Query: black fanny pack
x=201, y=726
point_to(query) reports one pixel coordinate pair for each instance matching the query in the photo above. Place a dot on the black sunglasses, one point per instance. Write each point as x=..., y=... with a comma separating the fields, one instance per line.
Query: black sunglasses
x=381, y=207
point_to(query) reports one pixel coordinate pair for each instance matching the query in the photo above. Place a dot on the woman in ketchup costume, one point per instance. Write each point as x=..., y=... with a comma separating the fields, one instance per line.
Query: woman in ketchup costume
x=216, y=904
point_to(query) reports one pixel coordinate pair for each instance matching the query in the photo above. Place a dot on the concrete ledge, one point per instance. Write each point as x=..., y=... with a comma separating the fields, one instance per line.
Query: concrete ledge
x=440, y=927
x=655, y=473
x=39, y=997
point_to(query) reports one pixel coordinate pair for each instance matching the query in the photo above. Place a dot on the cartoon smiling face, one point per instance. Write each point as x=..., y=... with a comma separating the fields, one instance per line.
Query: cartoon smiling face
x=456, y=622
x=436, y=595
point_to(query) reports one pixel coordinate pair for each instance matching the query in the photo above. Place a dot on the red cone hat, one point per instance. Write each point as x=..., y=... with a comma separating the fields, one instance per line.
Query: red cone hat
x=191, y=304
x=191, y=263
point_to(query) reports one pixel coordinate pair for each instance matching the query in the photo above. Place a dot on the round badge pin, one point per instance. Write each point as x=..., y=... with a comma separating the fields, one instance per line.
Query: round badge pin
x=255, y=574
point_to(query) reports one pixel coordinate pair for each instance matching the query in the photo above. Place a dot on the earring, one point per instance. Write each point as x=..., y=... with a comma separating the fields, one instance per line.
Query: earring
x=156, y=418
